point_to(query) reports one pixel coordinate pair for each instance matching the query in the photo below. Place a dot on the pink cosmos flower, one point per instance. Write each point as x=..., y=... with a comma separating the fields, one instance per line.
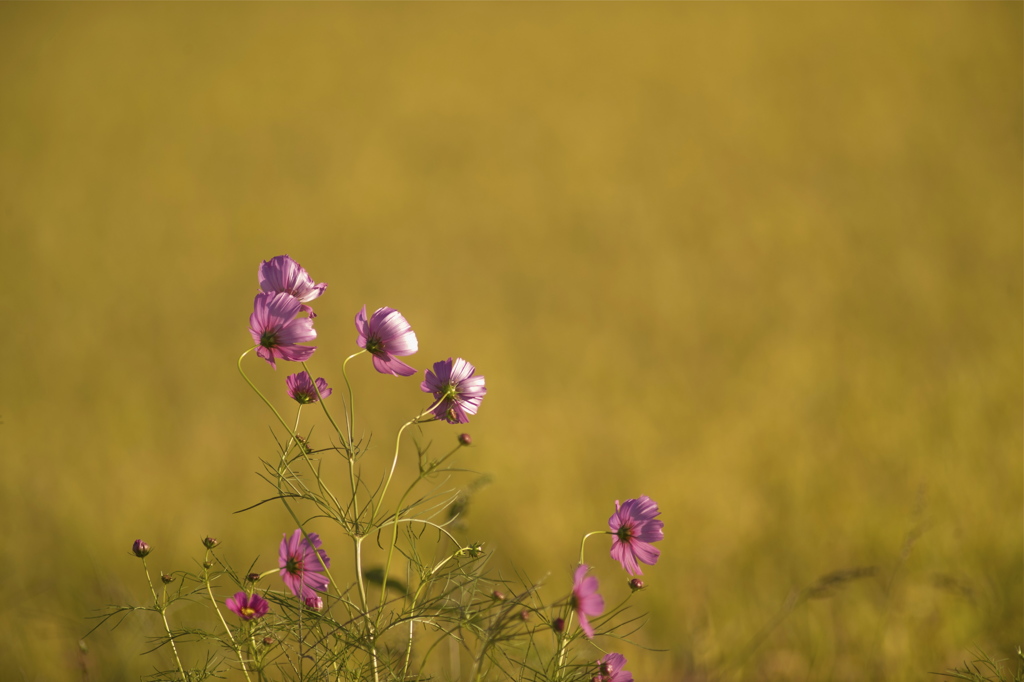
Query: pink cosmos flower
x=610, y=669
x=635, y=527
x=281, y=274
x=585, y=599
x=248, y=607
x=302, y=391
x=315, y=602
x=457, y=391
x=385, y=335
x=302, y=564
x=277, y=329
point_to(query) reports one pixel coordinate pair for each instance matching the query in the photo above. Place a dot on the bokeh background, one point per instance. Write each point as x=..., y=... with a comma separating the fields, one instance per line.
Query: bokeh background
x=759, y=261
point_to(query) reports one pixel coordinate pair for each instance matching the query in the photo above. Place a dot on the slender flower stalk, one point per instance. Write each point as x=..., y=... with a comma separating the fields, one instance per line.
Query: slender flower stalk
x=161, y=607
x=263, y=397
x=213, y=600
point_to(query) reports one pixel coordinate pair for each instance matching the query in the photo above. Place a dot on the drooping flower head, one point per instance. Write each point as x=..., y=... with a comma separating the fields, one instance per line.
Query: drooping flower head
x=385, y=335
x=302, y=564
x=456, y=389
x=302, y=391
x=609, y=669
x=248, y=606
x=585, y=599
x=635, y=528
x=281, y=274
x=277, y=329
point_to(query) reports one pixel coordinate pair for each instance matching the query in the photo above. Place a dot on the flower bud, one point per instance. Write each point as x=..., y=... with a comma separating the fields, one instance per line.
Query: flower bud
x=465, y=439
x=476, y=549
x=167, y=579
x=141, y=548
x=314, y=602
x=207, y=564
x=268, y=640
x=210, y=543
x=252, y=577
x=498, y=596
x=524, y=615
x=636, y=584
x=558, y=625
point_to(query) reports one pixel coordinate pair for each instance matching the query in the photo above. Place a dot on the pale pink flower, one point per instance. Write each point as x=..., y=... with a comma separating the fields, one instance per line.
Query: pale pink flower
x=277, y=329
x=585, y=600
x=303, y=564
x=302, y=391
x=456, y=390
x=248, y=607
x=384, y=335
x=281, y=274
x=635, y=528
x=609, y=669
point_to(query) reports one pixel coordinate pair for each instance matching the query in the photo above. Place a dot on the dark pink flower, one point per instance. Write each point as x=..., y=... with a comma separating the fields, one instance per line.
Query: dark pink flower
x=635, y=527
x=610, y=669
x=141, y=548
x=385, y=335
x=277, y=329
x=315, y=602
x=302, y=391
x=456, y=390
x=585, y=599
x=281, y=274
x=248, y=606
x=303, y=564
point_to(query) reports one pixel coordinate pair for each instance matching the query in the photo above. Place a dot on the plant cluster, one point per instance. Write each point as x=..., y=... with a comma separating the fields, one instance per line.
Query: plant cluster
x=430, y=609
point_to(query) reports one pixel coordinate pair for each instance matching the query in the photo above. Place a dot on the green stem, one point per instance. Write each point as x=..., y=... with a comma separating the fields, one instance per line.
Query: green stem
x=371, y=627
x=216, y=607
x=563, y=639
x=583, y=542
x=260, y=394
x=351, y=418
x=398, y=509
x=162, y=609
x=323, y=405
x=394, y=460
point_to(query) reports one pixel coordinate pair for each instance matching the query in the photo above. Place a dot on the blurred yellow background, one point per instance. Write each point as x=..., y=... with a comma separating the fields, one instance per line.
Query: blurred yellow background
x=759, y=261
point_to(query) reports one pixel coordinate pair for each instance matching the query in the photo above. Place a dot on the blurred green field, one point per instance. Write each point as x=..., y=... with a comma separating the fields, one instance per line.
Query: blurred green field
x=759, y=261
